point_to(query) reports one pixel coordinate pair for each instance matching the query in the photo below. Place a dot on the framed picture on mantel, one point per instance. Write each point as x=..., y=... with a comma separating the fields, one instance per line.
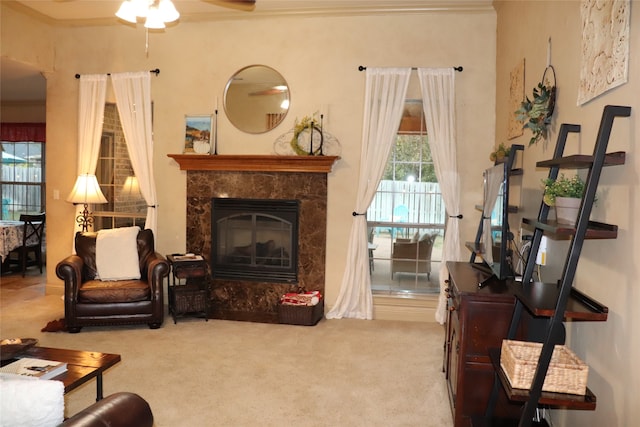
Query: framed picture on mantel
x=197, y=136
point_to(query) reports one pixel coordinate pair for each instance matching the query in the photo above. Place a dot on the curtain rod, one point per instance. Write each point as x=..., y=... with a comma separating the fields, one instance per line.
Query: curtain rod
x=156, y=72
x=458, y=68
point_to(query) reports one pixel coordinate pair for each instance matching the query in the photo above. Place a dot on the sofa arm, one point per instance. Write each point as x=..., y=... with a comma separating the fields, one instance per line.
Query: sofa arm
x=117, y=410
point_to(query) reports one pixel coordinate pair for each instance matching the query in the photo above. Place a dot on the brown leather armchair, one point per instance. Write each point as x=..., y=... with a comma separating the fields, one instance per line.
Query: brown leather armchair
x=91, y=302
x=412, y=255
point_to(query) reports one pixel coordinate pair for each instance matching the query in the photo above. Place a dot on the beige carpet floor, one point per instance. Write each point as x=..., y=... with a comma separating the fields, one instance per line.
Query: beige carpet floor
x=224, y=373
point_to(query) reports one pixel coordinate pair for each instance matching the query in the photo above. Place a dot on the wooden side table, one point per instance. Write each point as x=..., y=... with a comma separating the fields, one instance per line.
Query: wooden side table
x=188, y=286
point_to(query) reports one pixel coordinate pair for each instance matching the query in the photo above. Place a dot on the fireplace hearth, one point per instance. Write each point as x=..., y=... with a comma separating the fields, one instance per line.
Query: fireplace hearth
x=259, y=178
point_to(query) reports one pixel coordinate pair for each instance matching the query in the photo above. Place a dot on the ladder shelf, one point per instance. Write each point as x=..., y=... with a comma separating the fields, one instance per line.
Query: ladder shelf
x=557, y=302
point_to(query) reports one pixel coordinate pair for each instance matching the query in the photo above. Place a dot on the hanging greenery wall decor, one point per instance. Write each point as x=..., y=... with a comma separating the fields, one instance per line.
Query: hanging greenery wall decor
x=536, y=114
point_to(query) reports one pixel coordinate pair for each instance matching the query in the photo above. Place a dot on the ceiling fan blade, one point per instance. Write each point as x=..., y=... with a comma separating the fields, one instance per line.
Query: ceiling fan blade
x=271, y=91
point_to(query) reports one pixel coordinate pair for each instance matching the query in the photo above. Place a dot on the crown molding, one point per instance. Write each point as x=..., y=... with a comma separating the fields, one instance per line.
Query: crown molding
x=272, y=9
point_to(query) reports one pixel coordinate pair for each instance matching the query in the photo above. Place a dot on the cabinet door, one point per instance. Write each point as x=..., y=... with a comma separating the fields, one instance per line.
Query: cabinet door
x=454, y=356
x=488, y=326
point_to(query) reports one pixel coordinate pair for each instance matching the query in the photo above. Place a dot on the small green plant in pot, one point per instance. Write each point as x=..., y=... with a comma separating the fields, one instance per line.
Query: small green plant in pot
x=562, y=187
x=564, y=193
x=500, y=154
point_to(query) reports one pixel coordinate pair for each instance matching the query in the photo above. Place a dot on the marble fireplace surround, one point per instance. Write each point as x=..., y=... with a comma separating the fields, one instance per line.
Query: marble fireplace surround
x=259, y=177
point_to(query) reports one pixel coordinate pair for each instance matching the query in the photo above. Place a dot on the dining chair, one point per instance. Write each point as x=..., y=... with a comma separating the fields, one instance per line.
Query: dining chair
x=30, y=253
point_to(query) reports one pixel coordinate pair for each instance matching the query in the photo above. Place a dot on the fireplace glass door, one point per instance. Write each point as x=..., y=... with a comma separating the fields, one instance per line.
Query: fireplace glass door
x=255, y=239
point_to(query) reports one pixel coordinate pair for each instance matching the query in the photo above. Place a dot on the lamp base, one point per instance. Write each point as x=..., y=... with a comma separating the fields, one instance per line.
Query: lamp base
x=85, y=219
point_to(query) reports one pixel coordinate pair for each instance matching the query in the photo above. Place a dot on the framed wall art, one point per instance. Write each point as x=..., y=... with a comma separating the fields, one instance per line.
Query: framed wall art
x=605, y=47
x=516, y=96
x=197, y=135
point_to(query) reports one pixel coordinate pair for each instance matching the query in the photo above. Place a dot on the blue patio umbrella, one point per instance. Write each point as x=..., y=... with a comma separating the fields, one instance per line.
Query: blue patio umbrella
x=10, y=158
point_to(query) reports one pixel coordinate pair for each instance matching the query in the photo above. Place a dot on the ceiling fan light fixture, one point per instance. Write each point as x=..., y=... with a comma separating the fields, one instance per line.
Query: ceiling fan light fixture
x=155, y=12
x=154, y=19
x=126, y=12
x=168, y=11
x=141, y=7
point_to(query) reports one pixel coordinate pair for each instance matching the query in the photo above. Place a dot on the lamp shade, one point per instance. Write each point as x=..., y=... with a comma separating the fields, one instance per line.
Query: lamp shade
x=86, y=190
x=131, y=187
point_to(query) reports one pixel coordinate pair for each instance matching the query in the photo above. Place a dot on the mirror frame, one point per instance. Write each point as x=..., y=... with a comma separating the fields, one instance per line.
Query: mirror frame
x=242, y=105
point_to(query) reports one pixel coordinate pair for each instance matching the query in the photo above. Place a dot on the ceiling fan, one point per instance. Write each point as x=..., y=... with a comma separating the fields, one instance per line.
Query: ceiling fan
x=275, y=90
x=157, y=13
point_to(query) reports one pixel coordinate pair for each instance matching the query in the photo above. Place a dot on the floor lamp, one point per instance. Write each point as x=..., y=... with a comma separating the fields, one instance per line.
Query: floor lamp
x=86, y=190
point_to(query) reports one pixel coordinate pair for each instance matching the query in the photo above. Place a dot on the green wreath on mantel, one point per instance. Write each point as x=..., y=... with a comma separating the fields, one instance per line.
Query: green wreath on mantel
x=536, y=114
x=302, y=126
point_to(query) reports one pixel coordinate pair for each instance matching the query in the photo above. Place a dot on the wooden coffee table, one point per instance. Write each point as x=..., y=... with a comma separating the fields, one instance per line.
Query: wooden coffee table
x=81, y=365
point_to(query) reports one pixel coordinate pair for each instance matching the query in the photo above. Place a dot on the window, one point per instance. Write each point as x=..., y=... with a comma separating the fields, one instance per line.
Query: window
x=23, y=181
x=125, y=205
x=406, y=217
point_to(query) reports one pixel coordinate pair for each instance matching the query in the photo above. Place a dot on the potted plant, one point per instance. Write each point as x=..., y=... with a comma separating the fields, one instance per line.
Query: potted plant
x=566, y=195
x=500, y=154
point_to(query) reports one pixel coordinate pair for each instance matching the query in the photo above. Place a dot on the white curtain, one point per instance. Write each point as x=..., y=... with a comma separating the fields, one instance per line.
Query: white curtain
x=93, y=92
x=386, y=89
x=133, y=98
x=438, y=98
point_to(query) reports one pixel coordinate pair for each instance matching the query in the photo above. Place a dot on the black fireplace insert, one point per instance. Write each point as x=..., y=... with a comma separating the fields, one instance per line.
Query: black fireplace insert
x=254, y=239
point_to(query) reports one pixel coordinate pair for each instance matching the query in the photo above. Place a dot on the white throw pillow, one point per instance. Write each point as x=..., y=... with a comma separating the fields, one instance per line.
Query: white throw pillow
x=117, y=254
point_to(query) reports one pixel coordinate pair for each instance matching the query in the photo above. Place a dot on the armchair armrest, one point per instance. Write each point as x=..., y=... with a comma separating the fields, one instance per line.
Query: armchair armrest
x=70, y=270
x=157, y=269
x=121, y=409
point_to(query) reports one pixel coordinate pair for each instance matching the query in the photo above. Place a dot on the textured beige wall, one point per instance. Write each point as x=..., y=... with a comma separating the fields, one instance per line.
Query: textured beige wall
x=318, y=56
x=608, y=269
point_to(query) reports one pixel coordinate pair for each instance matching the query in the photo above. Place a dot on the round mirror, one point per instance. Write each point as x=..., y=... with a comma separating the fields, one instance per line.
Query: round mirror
x=256, y=99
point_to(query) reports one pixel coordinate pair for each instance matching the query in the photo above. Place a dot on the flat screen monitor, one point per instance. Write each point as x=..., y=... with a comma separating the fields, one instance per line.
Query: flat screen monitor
x=495, y=217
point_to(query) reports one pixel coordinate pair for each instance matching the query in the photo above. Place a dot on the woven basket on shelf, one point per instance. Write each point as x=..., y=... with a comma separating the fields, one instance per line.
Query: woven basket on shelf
x=566, y=372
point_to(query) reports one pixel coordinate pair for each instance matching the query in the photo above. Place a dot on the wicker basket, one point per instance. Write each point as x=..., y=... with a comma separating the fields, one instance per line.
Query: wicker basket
x=306, y=315
x=566, y=372
x=189, y=299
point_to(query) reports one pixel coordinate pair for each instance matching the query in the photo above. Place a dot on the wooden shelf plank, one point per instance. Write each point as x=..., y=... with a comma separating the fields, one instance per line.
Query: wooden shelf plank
x=583, y=161
x=540, y=299
x=553, y=400
x=595, y=230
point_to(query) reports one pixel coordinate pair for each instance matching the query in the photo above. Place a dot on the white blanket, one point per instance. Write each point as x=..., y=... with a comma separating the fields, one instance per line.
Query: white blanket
x=31, y=402
x=117, y=254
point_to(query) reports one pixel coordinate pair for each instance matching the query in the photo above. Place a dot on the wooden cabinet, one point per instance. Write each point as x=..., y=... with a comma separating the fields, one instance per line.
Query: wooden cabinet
x=478, y=319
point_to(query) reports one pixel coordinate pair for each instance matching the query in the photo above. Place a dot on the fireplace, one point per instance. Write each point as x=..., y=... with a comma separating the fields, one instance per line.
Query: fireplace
x=259, y=177
x=255, y=240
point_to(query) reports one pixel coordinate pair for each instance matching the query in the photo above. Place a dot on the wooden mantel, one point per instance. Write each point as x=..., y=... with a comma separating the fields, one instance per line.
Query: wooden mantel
x=262, y=163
